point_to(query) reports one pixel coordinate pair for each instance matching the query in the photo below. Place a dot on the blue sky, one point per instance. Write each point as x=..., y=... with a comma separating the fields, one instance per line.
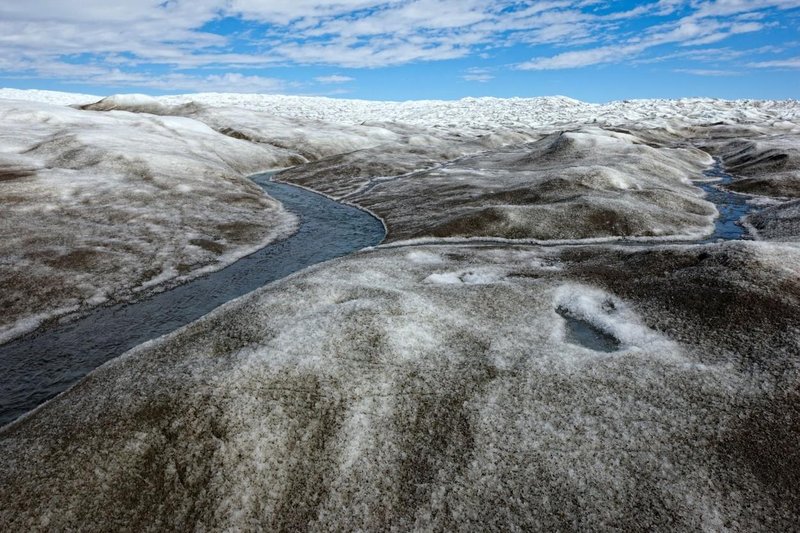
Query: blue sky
x=406, y=49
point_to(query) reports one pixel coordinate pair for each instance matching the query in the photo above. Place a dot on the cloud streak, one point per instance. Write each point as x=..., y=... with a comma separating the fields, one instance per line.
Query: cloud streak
x=702, y=27
x=333, y=79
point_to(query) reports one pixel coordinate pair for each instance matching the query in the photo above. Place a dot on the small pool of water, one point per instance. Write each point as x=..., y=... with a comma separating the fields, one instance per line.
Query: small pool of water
x=37, y=367
x=582, y=333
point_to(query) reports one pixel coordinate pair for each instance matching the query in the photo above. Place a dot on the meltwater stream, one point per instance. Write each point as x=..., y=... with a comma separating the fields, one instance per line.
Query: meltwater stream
x=38, y=366
x=732, y=206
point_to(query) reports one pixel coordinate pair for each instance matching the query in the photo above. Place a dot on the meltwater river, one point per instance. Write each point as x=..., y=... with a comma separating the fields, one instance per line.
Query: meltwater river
x=39, y=366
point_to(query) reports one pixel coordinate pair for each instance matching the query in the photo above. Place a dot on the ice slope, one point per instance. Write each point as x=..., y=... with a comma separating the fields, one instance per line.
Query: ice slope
x=439, y=388
x=99, y=206
x=777, y=222
x=133, y=103
x=310, y=139
x=305, y=139
x=47, y=97
x=414, y=150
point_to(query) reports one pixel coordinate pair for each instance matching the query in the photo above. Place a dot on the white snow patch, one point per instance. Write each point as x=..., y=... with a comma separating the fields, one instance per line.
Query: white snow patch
x=424, y=258
x=610, y=315
x=481, y=276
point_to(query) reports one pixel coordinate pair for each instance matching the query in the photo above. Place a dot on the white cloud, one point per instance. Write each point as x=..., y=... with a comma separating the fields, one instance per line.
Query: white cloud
x=707, y=72
x=789, y=63
x=695, y=29
x=720, y=8
x=582, y=58
x=480, y=75
x=231, y=82
x=105, y=42
x=334, y=78
x=380, y=52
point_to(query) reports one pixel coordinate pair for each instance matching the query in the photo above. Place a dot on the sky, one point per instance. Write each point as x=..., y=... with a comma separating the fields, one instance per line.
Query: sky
x=592, y=50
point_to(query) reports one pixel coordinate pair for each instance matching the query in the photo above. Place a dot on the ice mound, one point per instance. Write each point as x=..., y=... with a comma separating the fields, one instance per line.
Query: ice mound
x=356, y=396
x=308, y=139
x=300, y=140
x=780, y=222
x=99, y=206
x=135, y=103
x=469, y=277
x=428, y=258
x=591, y=183
x=413, y=150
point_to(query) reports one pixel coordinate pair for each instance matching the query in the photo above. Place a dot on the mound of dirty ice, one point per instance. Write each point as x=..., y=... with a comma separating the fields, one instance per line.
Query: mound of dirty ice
x=413, y=150
x=767, y=166
x=303, y=139
x=99, y=206
x=778, y=222
x=134, y=103
x=308, y=139
x=585, y=184
x=445, y=388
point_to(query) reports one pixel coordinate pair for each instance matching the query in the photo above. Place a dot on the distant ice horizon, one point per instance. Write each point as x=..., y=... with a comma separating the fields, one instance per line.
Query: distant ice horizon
x=76, y=97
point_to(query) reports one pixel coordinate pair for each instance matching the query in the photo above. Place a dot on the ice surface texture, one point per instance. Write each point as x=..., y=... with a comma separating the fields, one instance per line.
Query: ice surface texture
x=489, y=114
x=436, y=388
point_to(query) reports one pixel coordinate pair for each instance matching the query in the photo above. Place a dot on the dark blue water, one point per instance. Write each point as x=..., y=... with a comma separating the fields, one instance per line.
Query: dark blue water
x=37, y=367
